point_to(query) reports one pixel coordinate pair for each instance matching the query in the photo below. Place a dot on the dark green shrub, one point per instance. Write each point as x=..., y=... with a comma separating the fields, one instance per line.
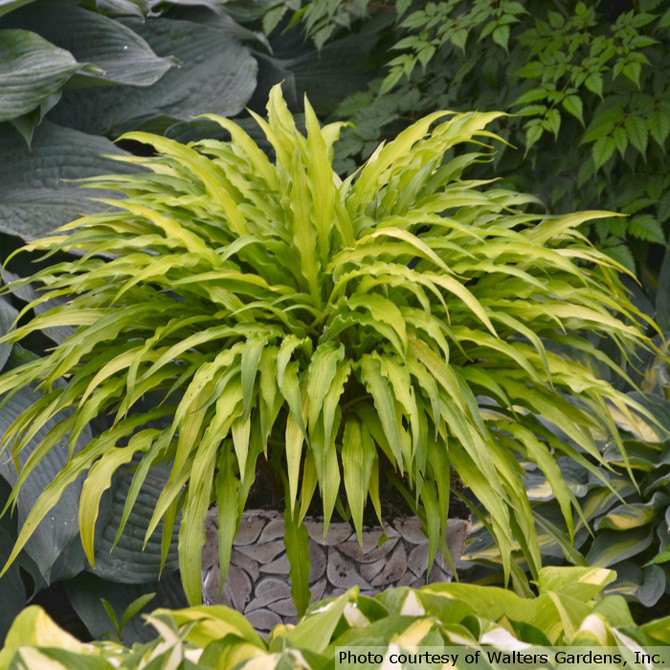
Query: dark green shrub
x=588, y=83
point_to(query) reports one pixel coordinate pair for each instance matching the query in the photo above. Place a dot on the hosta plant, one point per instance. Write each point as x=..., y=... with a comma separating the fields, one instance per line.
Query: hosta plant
x=569, y=611
x=625, y=525
x=403, y=323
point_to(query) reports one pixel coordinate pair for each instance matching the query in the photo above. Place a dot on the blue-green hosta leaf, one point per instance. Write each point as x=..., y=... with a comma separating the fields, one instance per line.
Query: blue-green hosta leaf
x=11, y=5
x=653, y=586
x=122, y=7
x=27, y=123
x=11, y=586
x=85, y=591
x=663, y=295
x=340, y=62
x=27, y=293
x=612, y=546
x=31, y=70
x=129, y=561
x=217, y=74
x=644, y=584
x=119, y=55
x=224, y=22
x=58, y=530
x=216, y=5
x=7, y=315
x=34, y=198
x=156, y=4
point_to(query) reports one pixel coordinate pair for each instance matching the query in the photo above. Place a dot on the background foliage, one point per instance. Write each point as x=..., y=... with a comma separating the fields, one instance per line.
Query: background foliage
x=588, y=84
x=101, y=68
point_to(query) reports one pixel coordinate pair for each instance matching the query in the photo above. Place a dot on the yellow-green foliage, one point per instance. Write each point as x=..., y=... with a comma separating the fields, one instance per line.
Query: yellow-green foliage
x=569, y=611
x=403, y=315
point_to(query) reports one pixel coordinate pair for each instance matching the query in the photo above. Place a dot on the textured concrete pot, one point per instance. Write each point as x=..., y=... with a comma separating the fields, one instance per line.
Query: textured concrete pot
x=258, y=579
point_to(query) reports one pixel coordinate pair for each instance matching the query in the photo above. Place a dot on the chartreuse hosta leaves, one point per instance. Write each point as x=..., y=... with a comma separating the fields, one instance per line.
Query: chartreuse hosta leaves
x=403, y=319
x=569, y=611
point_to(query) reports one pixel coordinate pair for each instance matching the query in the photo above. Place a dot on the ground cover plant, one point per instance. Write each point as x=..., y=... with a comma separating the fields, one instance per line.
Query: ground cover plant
x=233, y=310
x=626, y=529
x=569, y=611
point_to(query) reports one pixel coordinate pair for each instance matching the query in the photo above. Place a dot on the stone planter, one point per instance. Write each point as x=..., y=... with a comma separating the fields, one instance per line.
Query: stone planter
x=258, y=579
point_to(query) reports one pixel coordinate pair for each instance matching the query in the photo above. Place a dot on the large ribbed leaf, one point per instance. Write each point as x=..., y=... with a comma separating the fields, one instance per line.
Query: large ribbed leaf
x=27, y=293
x=341, y=63
x=646, y=584
x=611, y=546
x=118, y=54
x=217, y=74
x=31, y=69
x=11, y=5
x=130, y=561
x=212, y=4
x=7, y=315
x=58, y=531
x=122, y=7
x=11, y=586
x=34, y=196
x=663, y=295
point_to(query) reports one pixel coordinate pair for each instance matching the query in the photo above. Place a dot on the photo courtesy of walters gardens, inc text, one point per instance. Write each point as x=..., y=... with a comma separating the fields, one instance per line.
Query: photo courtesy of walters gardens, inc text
x=520, y=657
